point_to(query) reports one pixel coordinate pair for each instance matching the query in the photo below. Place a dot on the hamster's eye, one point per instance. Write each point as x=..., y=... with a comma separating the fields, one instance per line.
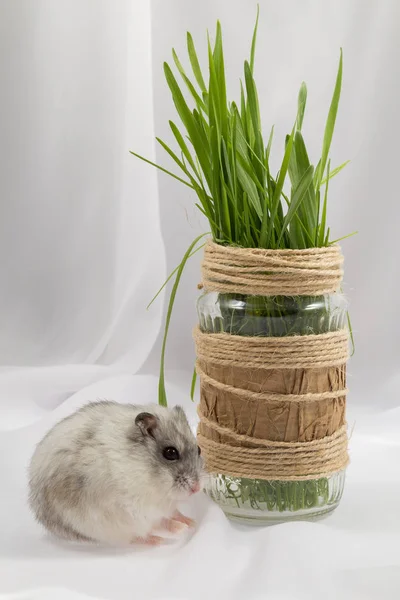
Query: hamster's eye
x=171, y=453
x=198, y=450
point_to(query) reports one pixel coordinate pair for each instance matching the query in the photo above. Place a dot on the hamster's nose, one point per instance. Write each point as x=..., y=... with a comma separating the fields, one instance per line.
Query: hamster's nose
x=195, y=488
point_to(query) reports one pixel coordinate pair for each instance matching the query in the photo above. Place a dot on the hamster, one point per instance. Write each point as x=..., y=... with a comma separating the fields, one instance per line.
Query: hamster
x=114, y=473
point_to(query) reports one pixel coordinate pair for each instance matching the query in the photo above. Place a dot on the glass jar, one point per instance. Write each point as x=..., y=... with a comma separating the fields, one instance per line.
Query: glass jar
x=270, y=501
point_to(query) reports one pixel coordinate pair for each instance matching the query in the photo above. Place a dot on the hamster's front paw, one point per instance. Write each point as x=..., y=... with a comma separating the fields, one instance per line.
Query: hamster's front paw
x=178, y=517
x=177, y=523
x=150, y=540
x=172, y=525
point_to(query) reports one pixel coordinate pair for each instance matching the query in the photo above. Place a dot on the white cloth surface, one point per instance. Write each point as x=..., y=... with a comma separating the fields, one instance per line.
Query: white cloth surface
x=353, y=554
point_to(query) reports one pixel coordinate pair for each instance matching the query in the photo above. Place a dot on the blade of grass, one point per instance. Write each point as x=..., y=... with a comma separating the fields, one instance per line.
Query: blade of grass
x=146, y=160
x=318, y=227
x=309, y=208
x=296, y=217
x=227, y=167
x=335, y=171
x=232, y=155
x=247, y=167
x=218, y=56
x=199, y=101
x=162, y=396
x=251, y=173
x=242, y=115
x=213, y=87
x=254, y=40
x=302, y=100
x=196, y=136
x=249, y=187
x=321, y=233
x=193, y=384
x=173, y=156
x=353, y=346
x=170, y=277
x=330, y=123
x=203, y=127
x=317, y=168
x=343, y=237
x=296, y=199
x=252, y=99
x=218, y=190
x=254, y=110
x=241, y=142
x=267, y=232
x=183, y=146
x=195, y=63
x=296, y=230
x=269, y=144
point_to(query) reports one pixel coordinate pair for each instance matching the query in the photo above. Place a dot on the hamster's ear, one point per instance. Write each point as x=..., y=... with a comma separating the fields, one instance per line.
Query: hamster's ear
x=180, y=414
x=147, y=423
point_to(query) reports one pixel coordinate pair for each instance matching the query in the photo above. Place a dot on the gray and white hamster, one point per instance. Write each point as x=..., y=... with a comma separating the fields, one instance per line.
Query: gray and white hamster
x=114, y=473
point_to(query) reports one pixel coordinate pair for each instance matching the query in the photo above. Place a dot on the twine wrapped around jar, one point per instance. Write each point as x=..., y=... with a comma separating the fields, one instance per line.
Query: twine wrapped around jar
x=272, y=407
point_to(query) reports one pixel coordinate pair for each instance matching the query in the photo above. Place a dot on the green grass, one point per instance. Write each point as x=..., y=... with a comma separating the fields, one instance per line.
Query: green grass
x=236, y=494
x=277, y=316
x=222, y=156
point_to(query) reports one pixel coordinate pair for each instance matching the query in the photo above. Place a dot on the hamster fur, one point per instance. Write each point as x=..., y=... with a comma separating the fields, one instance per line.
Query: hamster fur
x=101, y=474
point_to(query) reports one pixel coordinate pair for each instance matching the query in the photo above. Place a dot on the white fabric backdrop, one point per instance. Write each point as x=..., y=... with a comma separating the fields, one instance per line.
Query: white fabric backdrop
x=78, y=212
x=82, y=254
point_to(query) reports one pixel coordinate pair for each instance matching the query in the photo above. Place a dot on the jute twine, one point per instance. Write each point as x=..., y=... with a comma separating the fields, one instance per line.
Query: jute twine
x=295, y=351
x=272, y=407
x=273, y=460
x=259, y=272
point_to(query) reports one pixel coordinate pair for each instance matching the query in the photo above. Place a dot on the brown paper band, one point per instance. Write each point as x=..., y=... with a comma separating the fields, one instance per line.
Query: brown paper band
x=267, y=397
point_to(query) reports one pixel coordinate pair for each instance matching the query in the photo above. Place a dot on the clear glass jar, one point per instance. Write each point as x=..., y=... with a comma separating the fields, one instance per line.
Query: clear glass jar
x=271, y=501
